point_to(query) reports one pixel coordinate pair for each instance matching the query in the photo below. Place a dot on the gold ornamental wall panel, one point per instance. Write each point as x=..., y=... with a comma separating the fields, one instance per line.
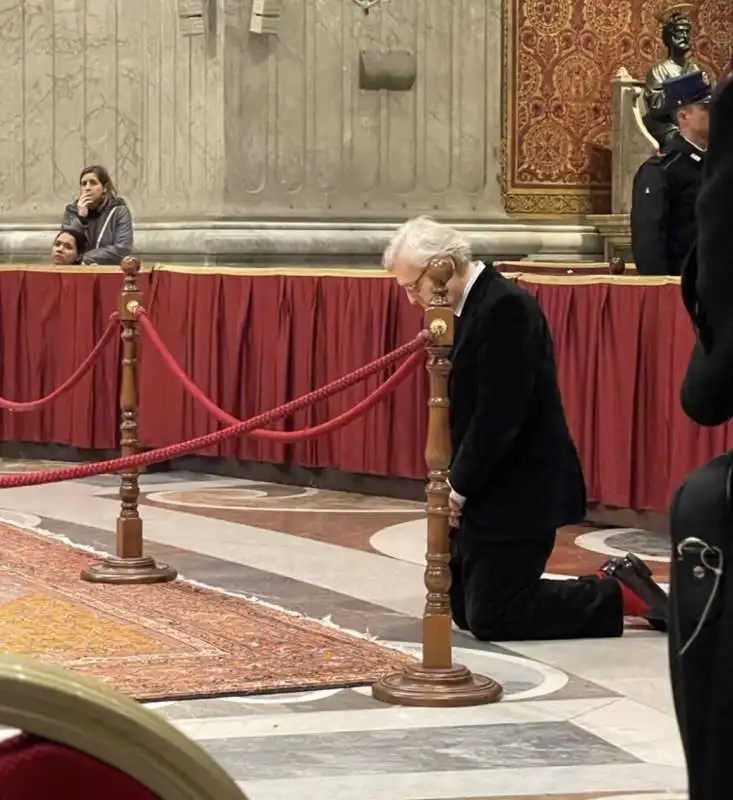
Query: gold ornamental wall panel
x=560, y=58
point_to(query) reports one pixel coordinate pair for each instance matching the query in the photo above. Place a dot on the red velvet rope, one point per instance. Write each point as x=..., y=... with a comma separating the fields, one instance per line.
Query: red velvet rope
x=69, y=383
x=283, y=437
x=128, y=463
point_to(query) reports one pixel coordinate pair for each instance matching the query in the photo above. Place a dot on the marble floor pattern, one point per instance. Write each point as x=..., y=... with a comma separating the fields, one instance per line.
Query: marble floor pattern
x=582, y=720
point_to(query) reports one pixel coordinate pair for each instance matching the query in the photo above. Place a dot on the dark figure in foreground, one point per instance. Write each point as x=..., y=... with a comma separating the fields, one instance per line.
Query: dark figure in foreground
x=102, y=218
x=515, y=474
x=701, y=518
x=663, y=226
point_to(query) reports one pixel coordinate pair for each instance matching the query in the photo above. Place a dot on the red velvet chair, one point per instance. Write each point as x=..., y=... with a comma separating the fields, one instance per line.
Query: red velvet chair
x=29, y=766
x=83, y=741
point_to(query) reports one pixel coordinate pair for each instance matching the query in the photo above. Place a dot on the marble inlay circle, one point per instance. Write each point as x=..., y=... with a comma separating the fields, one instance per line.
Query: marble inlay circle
x=522, y=678
x=223, y=498
x=406, y=541
x=282, y=499
x=620, y=541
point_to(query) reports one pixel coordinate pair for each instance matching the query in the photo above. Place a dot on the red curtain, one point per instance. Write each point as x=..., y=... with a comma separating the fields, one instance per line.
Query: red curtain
x=49, y=322
x=252, y=343
x=622, y=350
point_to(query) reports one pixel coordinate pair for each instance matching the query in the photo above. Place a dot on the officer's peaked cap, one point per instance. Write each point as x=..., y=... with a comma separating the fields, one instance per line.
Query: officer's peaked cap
x=686, y=90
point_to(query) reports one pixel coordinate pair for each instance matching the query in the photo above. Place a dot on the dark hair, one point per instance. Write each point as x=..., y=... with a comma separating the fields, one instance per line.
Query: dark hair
x=78, y=238
x=102, y=176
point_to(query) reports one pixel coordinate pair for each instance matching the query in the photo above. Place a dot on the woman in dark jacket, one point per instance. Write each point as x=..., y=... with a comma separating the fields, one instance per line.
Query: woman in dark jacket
x=101, y=217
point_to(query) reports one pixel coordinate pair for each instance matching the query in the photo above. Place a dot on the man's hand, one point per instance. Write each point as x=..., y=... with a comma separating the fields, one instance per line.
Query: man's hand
x=455, y=506
x=454, y=515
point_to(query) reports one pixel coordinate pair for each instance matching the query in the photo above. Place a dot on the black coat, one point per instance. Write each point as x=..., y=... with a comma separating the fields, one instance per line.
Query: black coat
x=707, y=281
x=513, y=457
x=663, y=227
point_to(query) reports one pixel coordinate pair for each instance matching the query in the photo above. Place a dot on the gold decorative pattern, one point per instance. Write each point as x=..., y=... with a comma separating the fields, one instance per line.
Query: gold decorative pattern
x=36, y=624
x=560, y=58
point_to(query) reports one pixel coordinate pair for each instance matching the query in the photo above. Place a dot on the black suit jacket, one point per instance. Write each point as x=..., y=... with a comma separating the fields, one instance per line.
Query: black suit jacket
x=513, y=457
x=707, y=281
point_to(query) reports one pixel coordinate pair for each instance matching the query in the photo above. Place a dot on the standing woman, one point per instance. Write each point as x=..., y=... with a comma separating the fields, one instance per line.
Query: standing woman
x=101, y=217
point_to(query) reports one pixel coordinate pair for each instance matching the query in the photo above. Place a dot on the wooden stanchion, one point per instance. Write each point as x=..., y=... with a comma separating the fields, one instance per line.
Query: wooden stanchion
x=437, y=681
x=129, y=565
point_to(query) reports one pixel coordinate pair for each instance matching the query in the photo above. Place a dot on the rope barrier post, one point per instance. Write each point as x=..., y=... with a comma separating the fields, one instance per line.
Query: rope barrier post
x=437, y=681
x=129, y=565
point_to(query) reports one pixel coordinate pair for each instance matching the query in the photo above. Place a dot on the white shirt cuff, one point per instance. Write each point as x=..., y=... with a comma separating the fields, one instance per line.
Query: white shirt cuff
x=458, y=499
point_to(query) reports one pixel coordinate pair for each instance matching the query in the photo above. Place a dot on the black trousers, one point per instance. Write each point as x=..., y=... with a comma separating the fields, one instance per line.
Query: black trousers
x=498, y=593
x=701, y=625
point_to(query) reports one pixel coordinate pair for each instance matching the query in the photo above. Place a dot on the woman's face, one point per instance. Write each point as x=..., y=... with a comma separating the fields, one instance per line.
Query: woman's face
x=91, y=187
x=64, y=250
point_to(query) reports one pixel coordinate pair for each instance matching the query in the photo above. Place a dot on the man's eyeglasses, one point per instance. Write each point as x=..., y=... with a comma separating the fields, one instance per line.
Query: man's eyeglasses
x=414, y=286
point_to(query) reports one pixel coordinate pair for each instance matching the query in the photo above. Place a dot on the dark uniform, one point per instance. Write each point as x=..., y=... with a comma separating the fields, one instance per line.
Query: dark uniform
x=663, y=208
x=701, y=518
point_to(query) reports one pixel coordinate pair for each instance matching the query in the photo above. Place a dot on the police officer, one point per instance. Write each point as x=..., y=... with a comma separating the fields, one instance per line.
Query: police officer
x=666, y=185
x=701, y=517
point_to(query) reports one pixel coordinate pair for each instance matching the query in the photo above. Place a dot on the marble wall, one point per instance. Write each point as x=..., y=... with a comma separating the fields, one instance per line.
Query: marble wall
x=302, y=137
x=111, y=82
x=230, y=123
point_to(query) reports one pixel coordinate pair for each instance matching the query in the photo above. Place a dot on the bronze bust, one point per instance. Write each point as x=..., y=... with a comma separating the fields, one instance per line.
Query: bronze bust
x=677, y=37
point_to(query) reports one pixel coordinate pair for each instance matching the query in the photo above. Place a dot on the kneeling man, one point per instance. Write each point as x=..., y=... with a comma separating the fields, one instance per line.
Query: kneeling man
x=515, y=474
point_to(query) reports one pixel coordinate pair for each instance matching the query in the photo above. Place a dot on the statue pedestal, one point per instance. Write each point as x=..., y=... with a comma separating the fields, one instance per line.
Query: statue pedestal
x=615, y=229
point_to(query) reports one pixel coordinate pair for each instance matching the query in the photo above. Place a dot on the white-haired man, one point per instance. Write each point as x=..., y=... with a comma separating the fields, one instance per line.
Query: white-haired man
x=515, y=474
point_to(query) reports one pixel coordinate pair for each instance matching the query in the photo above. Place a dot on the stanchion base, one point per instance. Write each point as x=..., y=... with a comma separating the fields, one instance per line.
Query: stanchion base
x=129, y=570
x=448, y=688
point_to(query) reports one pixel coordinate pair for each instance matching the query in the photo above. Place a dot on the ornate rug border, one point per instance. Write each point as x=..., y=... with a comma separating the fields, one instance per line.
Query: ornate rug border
x=326, y=621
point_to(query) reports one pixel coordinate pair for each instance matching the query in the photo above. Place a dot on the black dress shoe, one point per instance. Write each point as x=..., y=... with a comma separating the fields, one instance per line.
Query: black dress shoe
x=633, y=573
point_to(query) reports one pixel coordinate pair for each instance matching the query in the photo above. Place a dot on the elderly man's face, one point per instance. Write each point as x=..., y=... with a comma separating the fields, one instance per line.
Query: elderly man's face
x=414, y=280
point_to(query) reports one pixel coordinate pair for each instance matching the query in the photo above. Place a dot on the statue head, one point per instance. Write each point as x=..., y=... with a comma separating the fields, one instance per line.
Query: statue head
x=677, y=33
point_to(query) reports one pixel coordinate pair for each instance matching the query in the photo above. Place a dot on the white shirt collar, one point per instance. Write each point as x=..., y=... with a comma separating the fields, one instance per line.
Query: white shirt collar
x=478, y=268
x=692, y=144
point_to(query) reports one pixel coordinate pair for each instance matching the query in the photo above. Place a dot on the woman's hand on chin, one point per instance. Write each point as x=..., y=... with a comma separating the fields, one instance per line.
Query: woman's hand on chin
x=82, y=206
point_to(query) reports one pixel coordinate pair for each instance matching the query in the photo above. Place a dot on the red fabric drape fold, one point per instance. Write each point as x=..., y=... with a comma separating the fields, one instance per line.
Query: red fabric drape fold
x=622, y=350
x=253, y=342
x=49, y=322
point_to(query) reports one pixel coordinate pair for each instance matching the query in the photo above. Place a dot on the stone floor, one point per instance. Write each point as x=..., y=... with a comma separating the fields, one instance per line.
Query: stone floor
x=581, y=720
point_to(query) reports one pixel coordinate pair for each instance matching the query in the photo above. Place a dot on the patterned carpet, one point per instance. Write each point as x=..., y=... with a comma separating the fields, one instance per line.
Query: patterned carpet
x=167, y=641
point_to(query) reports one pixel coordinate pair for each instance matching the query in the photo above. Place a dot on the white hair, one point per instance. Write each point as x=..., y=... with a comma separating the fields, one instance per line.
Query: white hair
x=422, y=239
